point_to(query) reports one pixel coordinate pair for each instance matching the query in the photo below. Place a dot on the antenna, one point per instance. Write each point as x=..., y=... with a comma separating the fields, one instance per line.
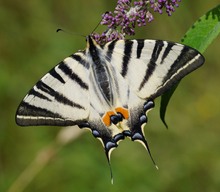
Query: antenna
x=98, y=23
x=58, y=30
x=70, y=33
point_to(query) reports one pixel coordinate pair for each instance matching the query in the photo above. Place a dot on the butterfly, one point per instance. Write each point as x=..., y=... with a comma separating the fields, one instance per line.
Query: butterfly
x=109, y=88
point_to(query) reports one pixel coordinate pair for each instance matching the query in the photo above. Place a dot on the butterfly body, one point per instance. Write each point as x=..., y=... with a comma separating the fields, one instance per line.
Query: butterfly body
x=108, y=89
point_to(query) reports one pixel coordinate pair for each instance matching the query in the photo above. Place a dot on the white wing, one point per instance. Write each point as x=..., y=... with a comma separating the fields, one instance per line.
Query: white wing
x=61, y=97
x=152, y=66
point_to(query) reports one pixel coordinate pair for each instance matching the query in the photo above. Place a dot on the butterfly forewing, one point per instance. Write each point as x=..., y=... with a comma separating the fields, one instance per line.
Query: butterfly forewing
x=152, y=66
x=61, y=97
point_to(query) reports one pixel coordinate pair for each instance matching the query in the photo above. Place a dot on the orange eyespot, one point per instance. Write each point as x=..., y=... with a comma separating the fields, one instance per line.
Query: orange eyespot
x=123, y=111
x=107, y=118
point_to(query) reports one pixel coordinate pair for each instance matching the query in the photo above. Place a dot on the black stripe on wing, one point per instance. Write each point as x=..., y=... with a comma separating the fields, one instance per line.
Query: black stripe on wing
x=72, y=75
x=188, y=60
x=110, y=50
x=153, y=62
x=57, y=96
x=140, y=47
x=56, y=75
x=39, y=95
x=80, y=60
x=167, y=51
x=126, y=57
x=26, y=109
x=187, y=54
x=77, y=58
x=31, y=115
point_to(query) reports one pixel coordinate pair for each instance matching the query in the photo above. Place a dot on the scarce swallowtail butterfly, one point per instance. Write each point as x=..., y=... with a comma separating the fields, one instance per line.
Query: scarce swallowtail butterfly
x=108, y=88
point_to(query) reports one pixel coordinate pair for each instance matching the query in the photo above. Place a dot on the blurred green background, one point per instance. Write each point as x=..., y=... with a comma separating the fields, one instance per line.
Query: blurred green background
x=188, y=153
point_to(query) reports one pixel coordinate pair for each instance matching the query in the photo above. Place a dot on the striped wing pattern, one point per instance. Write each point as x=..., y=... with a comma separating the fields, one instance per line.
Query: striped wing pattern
x=152, y=66
x=61, y=97
x=108, y=89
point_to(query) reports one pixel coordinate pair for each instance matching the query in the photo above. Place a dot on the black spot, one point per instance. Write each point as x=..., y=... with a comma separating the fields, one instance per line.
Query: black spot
x=110, y=145
x=148, y=105
x=83, y=125
x=127, y=133
x=143, y=119
x=95, y=133
x=119, y=137
x=137, y=136
x=114, y=119
x=120, y=116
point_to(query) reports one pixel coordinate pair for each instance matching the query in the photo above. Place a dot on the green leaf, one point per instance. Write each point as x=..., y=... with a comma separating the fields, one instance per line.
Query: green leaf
x=204, y=31
x=199, y=36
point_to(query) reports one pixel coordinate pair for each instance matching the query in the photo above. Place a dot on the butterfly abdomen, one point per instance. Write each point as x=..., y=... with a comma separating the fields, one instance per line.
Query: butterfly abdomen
x=101, y=73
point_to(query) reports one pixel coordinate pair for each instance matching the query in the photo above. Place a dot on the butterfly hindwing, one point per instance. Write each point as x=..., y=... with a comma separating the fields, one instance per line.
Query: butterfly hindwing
x=150, y=68
x=61, y=97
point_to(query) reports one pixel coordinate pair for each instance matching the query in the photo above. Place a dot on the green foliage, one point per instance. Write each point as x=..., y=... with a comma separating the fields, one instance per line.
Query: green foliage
x=199, y=36
x=204, y=31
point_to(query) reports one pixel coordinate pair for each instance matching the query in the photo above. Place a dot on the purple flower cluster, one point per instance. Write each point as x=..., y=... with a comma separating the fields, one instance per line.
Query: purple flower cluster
x=128, y=15
x=160, y=4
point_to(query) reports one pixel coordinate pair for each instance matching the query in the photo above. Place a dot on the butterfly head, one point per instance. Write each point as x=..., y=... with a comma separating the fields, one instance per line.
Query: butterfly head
x=90, y=42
